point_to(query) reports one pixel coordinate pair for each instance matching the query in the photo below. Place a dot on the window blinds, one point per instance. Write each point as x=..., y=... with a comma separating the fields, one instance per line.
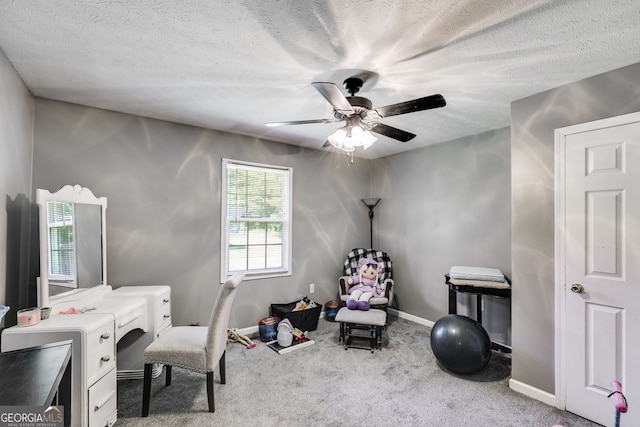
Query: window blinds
x=257, y=220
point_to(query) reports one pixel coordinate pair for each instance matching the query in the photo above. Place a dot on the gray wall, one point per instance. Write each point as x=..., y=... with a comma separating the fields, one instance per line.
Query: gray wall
x=533, y=122
x=444, y=205
x=441, y=205
x=16, y=144
x=162, y=182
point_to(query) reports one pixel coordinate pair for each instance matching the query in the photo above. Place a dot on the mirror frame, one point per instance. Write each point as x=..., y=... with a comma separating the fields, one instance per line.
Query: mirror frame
x=69, y=194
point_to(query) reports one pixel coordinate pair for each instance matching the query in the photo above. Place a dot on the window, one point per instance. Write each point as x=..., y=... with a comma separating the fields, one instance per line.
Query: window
x=61, y=242
x=256, y=219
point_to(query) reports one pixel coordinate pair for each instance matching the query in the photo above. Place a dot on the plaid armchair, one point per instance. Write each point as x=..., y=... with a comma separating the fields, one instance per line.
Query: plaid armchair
x=385, y=277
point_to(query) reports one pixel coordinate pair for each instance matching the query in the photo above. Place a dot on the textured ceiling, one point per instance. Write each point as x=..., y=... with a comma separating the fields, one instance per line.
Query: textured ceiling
x=233, y=65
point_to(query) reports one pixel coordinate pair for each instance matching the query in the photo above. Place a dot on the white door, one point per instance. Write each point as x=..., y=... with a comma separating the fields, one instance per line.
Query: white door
x=601, y=318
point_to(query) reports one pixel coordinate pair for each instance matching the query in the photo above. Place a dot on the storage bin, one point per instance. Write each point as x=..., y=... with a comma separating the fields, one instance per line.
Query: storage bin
x=305, y=320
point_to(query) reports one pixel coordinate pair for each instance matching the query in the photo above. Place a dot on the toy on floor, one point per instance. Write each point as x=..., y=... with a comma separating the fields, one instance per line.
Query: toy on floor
x=299, y=336
x=620, y=402
x=289, y=335
x=234, y=336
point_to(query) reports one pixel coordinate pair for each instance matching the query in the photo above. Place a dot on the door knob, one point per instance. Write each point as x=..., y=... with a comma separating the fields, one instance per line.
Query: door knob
x=577, y=288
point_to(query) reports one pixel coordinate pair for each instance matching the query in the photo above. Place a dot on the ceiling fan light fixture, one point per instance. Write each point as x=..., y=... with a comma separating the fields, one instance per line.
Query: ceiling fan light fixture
x=340, y=140
x=358, y=138
x=352, y=110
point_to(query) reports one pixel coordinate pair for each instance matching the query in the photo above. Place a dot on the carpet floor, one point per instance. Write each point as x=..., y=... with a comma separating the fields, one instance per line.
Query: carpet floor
x=402, y=384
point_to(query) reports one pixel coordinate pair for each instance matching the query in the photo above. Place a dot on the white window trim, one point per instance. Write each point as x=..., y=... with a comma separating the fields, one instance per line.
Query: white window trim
x=224, y=236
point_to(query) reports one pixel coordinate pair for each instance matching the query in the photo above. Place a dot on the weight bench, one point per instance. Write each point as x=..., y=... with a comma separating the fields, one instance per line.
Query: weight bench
x=372, y=320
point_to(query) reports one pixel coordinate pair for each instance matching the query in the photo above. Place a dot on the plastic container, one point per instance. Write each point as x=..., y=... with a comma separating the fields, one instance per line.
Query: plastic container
x=28, y=316
x=331, y=309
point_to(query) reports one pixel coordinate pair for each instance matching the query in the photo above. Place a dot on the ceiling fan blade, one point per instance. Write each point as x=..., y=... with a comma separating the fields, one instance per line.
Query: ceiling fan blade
x=332, y=94
x=390, y=131
x=301, y=122
x=426, y=103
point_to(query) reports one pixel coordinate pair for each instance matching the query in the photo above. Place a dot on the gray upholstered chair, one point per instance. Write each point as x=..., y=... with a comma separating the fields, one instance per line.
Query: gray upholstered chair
x=197, y=348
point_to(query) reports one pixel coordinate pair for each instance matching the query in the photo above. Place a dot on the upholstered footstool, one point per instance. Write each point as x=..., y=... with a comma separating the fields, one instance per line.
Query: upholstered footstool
x=351, y=321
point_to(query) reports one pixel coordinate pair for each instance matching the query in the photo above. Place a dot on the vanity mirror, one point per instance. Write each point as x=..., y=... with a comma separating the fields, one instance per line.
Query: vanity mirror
x=72, y=244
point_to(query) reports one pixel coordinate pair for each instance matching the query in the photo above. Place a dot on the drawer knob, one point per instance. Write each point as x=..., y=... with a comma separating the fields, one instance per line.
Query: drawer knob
x=105, y=358
x=105, y=336
x=166, y=300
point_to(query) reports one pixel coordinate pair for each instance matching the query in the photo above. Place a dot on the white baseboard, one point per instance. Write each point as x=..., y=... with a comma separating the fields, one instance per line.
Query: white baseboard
x=411, y=317
x=532, y=392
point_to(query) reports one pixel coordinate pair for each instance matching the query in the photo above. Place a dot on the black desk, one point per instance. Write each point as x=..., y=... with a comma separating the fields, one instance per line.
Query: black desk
x=39, y=376
x=478, y=291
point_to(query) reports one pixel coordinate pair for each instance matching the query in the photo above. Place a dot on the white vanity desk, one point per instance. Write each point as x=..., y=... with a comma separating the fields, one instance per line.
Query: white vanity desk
x=104, y=316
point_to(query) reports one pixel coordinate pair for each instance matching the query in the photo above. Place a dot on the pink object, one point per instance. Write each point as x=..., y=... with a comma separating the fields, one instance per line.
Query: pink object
x=70, y=311
x=618, y=397
x=28, y=316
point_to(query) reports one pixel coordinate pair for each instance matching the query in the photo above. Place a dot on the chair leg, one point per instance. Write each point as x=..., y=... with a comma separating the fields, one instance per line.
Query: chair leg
x=212, y=407
x=167, y=381
x=223, y=369
x=146, y=389
x=373, y=339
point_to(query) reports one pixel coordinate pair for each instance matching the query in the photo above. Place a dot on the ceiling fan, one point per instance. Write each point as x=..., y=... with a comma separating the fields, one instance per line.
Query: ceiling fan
x=360, y=117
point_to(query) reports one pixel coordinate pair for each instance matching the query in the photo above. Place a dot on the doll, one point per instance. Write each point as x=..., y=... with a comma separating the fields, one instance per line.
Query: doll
x=364, y=285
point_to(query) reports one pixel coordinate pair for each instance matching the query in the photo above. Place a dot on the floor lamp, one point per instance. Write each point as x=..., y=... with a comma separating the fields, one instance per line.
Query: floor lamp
x=371, y=203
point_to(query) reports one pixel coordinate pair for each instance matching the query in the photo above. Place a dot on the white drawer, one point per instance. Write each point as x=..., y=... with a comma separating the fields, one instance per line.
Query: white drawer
x=163, y=313
x=103, y=401
x=136, y=319
x=158, y=298
x=100, y=352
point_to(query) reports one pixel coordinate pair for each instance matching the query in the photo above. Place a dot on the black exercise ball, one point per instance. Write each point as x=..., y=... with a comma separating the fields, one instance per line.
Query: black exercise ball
x=460, y=344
